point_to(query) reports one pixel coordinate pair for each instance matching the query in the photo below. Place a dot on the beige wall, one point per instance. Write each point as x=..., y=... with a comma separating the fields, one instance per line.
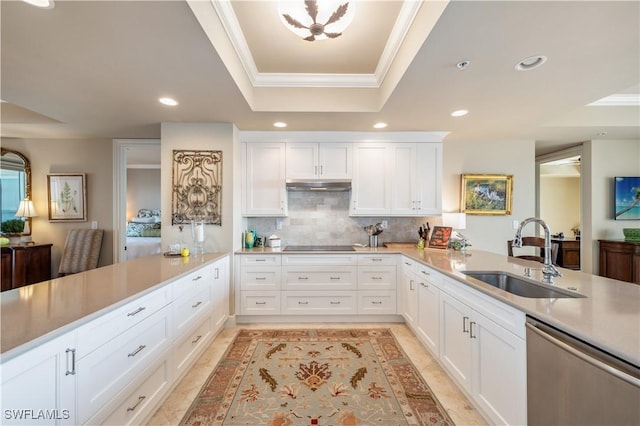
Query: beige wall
x=514, y=157
x=560, y=203
x=93, y=157
x=143, y=190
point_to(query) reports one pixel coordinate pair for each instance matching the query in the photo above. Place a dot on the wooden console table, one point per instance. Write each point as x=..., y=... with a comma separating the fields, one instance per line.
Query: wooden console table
x=568, y=253
x=25, y=264
x=620, y=260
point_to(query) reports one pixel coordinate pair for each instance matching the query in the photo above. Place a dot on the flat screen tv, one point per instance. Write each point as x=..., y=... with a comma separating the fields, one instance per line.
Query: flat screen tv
x=627, y=198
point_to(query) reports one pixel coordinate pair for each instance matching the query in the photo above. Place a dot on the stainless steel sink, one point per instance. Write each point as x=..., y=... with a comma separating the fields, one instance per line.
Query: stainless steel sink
x=520, y=286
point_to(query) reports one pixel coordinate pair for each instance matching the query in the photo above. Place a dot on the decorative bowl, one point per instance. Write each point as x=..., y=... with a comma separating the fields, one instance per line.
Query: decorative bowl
x=631, y=234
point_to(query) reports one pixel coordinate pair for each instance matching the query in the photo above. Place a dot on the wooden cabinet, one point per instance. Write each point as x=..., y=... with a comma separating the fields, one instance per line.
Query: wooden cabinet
x=264, y=183
x=25, y=264
x=568, y=254
x=318, y=160
x=620, y=260
x=416, y=173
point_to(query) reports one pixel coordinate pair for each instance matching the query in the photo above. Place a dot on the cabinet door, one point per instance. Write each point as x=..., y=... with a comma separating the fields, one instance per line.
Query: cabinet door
x=403, y=179
x=429, y=315
x=335, y=160
x=265, y=180
x=371, y=185
x=302, y=161
x=499, y=372
x=220, y=293
x=409, y=303
x=429, y=178
x=455, y=344
x=39, y=386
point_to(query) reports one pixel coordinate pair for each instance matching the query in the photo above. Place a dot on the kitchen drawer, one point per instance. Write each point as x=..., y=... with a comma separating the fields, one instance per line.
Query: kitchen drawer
x=193, y=283
x=319, y=278
x=428, y=274
x=260, y=302
x=260, y=259
x=108, y=370
x=377, y=259
x=191, y=346
x=376, y=277
x=319, y=259
x=187, y=311
x=143, y=400
x=106, y=327
x=319, y=302
x=260, y=277
x=408, y=265
x=377, y=302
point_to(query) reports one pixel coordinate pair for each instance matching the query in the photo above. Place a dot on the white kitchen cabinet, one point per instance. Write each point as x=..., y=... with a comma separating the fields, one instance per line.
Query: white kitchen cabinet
x=318, y=160
x=428, y=327
x=487, y=360
x=220, y=293
x=408, y=306
x=416, y=179
x=371, y=184
x=38, y=387
x=264, y=184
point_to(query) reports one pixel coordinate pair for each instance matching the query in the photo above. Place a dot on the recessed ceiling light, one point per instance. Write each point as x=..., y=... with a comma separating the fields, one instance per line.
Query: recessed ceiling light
x=168, y=101
x=43, y=4
x=602, y=133
x=462, y=65
x=459, y=113
x=530, y=63
x=380, y=125
x=279, y=124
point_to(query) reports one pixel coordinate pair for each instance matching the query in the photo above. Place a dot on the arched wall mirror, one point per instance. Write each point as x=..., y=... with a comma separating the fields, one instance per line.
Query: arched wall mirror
x=15, y=184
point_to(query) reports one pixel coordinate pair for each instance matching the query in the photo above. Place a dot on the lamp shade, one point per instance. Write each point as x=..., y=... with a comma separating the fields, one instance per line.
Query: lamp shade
x=26, y=209
x=454, y=220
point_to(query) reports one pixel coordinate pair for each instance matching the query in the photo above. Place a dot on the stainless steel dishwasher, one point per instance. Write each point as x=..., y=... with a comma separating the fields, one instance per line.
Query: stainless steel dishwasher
x=572, y=383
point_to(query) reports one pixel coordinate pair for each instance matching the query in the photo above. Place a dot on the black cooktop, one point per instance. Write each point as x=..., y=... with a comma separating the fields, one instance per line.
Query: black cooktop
x=319, y=248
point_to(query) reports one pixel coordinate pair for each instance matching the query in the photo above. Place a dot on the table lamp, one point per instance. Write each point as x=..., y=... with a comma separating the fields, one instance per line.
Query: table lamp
x=26, y=210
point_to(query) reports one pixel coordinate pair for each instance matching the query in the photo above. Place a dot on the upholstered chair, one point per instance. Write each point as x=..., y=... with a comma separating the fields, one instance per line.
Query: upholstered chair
x=81, y=251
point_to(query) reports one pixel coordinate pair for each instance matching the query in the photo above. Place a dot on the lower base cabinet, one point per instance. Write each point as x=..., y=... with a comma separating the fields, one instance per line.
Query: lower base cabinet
x=118, y=368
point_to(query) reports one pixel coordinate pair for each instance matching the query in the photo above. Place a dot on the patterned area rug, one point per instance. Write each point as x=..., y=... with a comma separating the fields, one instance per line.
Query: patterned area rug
x=315, y=377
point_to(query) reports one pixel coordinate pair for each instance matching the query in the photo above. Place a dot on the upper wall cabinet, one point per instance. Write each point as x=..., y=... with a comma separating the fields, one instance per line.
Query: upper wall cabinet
x=318, y=160
x=264, y=184
x=416, y=179
x=370, y=193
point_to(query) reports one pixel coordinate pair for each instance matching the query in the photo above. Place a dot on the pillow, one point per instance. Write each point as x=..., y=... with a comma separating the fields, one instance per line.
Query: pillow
x=150, y=232
x=149, y=213
x=144, y=220
x=135, y=229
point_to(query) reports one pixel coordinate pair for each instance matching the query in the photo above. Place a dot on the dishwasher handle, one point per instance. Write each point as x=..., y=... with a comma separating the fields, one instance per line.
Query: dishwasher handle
x=591, y=359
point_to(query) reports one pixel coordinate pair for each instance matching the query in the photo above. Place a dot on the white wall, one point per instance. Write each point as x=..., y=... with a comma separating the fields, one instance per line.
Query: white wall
x=560, y=203
x=602, y=161
x=511, y=157
x=143, y=190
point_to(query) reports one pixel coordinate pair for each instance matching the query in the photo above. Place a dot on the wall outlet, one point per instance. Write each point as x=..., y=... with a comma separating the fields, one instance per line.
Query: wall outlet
x=94, y=225
x=515, y=223
x=278, y=223
x=384, y=224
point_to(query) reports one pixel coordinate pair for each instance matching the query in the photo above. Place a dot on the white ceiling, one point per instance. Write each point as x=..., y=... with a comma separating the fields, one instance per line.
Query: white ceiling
x=92, y=69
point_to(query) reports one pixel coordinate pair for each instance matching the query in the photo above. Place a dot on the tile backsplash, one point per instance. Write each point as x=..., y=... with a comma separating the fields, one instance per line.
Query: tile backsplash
x=323, y=219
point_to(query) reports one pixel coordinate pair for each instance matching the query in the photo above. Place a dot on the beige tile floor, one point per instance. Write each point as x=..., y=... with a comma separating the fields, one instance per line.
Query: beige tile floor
x=456, y=404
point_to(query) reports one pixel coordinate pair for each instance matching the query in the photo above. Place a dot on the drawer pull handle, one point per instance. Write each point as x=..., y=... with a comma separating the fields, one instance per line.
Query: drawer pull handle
x=464, y=324
x=137, y=311
x=335, y=303
x=424, y=285
x=426, y=273
x=261, y=303
x=197, y=304
x=140, y=399
x=376, y=303
x=376, y=278
x=72, y=370
x=471, y=330
x=197, y=339
x=134, y=353
x=303, y=303
x=261, y=260
x=303, y=278
x=196, y=278
x=376, y=259
x=261, y=278
x=407, y=263
x=334, y=278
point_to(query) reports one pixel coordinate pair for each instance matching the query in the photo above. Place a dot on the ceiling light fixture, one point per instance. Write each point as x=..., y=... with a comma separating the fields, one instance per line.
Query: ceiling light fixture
x=459, y=113
x=168, y=101
x=279, y=124
x=380, y=125
x=462, y=65
x=531, y=62
x=42, y=4
x=313, y=20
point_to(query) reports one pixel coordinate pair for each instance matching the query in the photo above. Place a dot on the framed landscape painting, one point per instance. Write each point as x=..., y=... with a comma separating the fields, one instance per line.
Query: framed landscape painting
x=627, y=198
x=486, y=194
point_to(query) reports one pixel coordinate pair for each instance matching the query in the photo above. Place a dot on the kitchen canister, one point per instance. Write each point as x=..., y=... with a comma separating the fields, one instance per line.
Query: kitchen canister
x=373, y=241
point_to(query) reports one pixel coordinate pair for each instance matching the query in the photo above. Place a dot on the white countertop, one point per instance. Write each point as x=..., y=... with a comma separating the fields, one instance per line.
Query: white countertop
x=608, y=317
x=33, y=314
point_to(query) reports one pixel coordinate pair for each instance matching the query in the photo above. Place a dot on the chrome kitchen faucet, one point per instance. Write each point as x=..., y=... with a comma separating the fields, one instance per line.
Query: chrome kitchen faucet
x=549, y=270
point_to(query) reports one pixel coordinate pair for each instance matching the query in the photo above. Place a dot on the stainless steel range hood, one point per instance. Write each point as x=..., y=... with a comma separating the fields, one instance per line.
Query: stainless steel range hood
x=335, y=185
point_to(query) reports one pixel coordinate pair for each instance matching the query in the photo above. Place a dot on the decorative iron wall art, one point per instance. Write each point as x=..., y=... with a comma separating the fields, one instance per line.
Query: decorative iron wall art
x=197, y=187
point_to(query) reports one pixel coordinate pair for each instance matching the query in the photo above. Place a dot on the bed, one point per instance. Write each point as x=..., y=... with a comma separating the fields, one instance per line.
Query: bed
x=143, y=234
